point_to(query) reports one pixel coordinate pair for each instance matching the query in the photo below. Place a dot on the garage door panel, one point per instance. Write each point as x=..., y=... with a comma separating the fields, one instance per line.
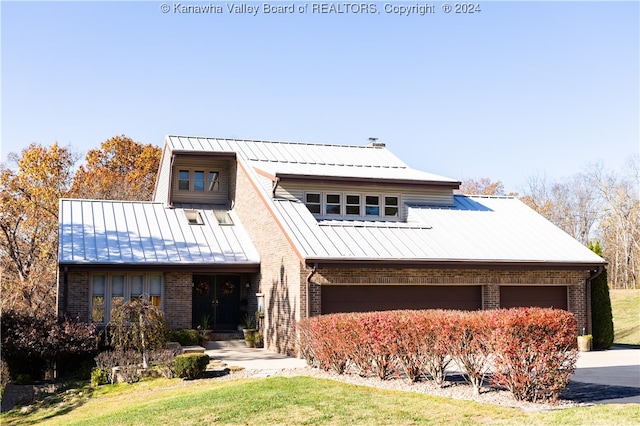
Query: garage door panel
x=365, y=298
x=538, y=296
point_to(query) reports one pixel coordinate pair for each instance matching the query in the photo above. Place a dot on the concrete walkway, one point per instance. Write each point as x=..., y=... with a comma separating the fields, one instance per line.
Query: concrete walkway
x=601, y=377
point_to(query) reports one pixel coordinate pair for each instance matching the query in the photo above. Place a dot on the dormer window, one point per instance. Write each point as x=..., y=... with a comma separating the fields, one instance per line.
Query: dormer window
x=223, y=217
x=194, y=217
x=353, y=206
x=198, y=180
x=183, y=180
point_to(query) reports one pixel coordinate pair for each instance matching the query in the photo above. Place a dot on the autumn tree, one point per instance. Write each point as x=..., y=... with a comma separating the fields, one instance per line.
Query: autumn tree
x=121, y=169
x=30, y=186
x=573, y=205
x=482, y=186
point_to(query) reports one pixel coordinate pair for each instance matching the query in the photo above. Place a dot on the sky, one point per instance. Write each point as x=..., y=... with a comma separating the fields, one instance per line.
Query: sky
x=510, y=91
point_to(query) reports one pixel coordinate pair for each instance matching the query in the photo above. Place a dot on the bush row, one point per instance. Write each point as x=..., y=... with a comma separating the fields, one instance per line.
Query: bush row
x=529, y=351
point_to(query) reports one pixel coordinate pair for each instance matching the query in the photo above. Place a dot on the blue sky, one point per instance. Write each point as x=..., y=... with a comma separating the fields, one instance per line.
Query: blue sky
x=518, y=89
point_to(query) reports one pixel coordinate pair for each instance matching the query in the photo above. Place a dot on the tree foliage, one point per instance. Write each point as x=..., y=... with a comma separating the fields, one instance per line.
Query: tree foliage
x=482, y=186
x=121, y=169
x=601, y=313
x=30, y=186
x=31, y=344
x=138, y=325
x=597, y=204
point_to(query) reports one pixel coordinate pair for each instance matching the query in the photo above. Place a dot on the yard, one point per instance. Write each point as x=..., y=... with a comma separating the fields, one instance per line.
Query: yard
x=307, y=400
x=626, y=316
x=294, y=400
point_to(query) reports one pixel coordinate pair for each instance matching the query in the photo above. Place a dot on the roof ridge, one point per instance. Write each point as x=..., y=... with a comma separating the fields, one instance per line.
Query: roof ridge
x=276, y=142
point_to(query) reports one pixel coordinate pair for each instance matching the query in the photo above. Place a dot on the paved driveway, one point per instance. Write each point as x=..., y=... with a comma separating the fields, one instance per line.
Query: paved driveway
x=605, y=377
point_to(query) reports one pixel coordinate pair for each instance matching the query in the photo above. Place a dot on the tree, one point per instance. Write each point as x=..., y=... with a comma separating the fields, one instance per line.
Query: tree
x=483, y=186
x=121, y=169
x=601, y=315
x=572, y=205
x=138, y=325
x=30, y=186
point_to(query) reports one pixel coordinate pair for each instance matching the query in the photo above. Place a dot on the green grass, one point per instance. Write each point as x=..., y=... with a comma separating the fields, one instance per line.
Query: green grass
x=296, y=400
x=625, y=305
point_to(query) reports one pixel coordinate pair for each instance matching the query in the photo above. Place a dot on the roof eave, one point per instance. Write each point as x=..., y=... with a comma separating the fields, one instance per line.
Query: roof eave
x=246, y=267
x=327, y=180
x=451, y=263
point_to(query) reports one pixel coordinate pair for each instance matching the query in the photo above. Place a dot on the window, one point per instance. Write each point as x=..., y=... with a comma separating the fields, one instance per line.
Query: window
x=97, y=298
x=198, y=180
x=110, y=291
x=202, y=180
x=214, y=184
x=183, y=180
x=391, y=206
x=193, y=217
x=313, y=203
x=372, y=205
x=332, y=204
x=223, y=217
x=352, y=205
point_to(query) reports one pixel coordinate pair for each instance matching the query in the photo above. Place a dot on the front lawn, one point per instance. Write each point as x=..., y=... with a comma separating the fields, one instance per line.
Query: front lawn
x=294, y=400
x=625, y=305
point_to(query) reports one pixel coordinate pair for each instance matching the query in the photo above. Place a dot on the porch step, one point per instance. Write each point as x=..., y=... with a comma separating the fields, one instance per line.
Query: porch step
x=226, y=344
x=192, y=350
x=226, y=335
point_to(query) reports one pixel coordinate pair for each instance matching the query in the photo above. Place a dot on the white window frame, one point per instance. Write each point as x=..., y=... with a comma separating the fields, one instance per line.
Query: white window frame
x=382, y=198
x=108, y=292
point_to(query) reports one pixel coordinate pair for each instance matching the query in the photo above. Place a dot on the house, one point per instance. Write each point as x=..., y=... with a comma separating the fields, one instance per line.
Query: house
x=295, y=230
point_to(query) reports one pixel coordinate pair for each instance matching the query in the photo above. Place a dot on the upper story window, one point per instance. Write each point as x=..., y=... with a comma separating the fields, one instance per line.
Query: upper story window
x=353, y=205
x=193, y=217
x=198, y=180
x=183, y=180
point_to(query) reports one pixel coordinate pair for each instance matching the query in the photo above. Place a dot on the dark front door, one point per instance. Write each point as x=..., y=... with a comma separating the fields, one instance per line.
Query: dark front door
x=216, y=299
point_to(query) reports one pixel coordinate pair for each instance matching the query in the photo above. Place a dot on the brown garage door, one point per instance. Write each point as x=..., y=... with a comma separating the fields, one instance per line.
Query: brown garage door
x=366, y=298
x=540, y=296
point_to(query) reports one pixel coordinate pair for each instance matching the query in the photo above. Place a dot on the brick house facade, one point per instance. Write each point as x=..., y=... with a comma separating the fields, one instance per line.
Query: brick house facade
x=310, y=229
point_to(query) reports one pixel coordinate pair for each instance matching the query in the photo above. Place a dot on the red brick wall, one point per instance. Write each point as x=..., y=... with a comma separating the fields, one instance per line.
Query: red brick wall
x=177, y=303
x=490, y=279
x=280, y=270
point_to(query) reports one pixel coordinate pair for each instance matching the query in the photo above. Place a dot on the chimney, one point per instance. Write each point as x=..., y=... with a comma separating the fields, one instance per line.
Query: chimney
x=373, y=142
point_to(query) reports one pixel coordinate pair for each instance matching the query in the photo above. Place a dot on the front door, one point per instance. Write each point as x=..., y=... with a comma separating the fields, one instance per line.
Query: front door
x=216, y=301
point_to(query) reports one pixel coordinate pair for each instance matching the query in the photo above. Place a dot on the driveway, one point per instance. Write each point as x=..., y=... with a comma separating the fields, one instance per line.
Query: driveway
x=606, y=377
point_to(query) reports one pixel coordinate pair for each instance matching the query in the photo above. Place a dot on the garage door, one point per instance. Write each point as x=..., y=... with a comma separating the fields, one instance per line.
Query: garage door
x=366, y=298
x=540, y=296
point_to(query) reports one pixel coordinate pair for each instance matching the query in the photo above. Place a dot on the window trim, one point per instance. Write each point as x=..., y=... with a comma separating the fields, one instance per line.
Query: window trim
x=381, y=206
x=108, y=292
x=208, y=184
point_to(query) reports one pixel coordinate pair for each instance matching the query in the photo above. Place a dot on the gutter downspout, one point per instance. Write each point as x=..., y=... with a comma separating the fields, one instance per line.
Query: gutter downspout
x=313, y=271
x=593, y=276
x=170, y=195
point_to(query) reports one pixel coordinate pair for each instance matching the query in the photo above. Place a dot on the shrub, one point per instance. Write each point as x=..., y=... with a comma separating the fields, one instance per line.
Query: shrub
x=379, y=334
x=186, y=337
x=100, y=376
x=435, y=327
x=127, y=361
x=407, y=349
x=470, y=343
x=191, y=366
x=327, y=343
x=164, y=361
x=535, y=352
x=32, y=345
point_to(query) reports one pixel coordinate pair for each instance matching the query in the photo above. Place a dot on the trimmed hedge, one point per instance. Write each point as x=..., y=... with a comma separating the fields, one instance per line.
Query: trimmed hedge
x=191, y=366
x=529, y=351
x=186, y=337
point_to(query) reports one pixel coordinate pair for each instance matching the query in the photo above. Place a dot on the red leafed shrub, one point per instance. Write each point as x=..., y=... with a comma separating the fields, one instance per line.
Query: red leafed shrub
x=535, y=352
x=325, y=342
x=379, y=336
x=408, y=348
x=435, y=326
x=470, y=344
